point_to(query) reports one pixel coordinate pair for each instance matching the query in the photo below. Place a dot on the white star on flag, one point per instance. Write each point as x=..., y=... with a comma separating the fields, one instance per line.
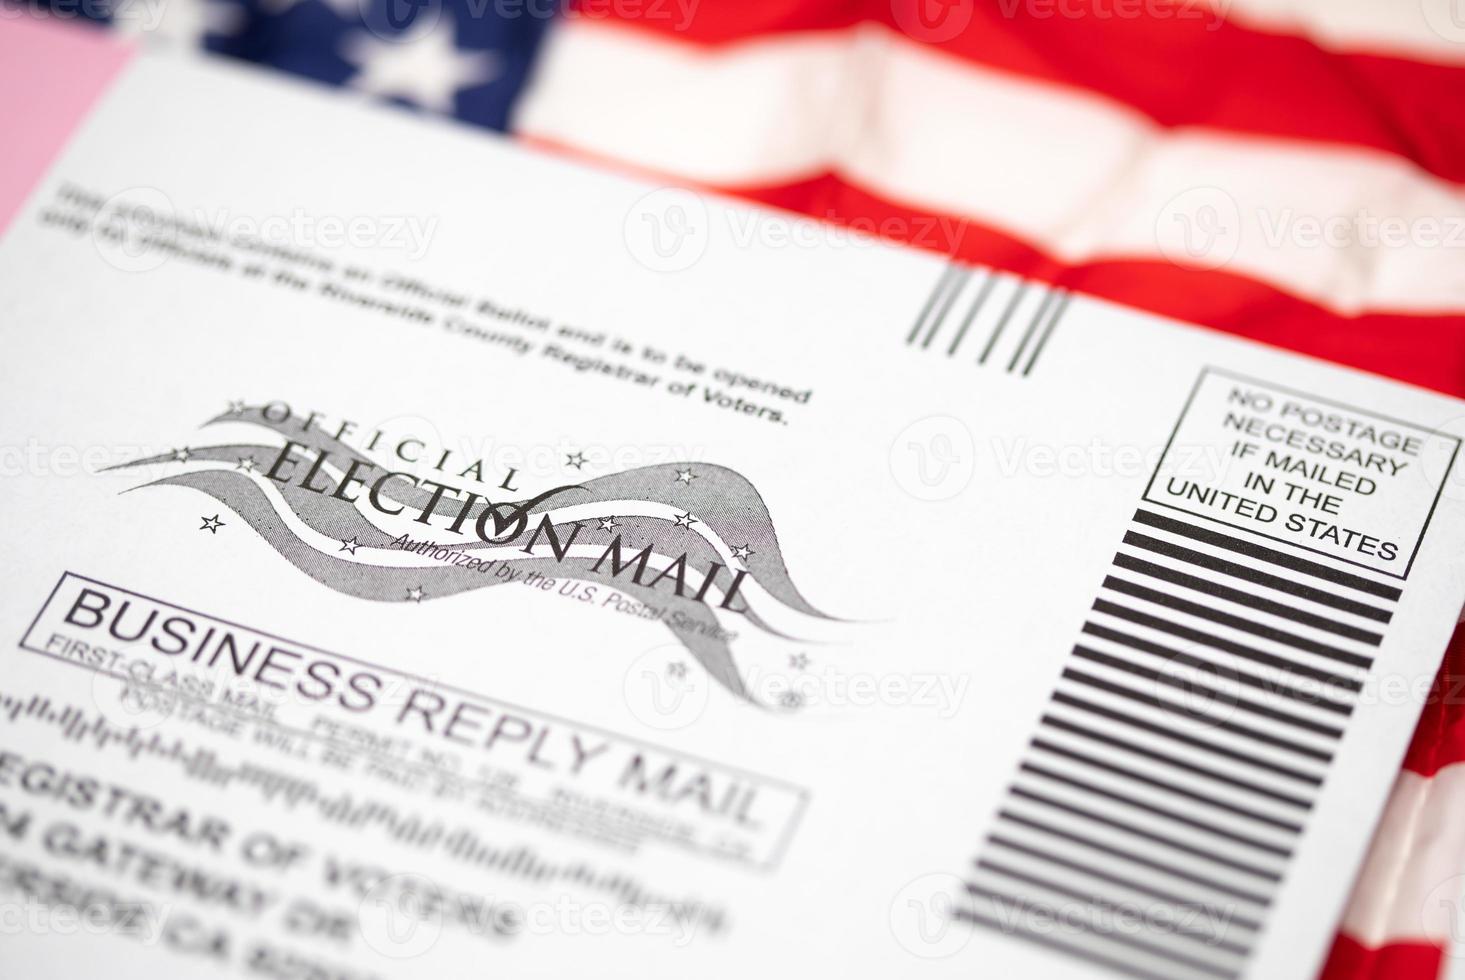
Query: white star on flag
x=422, y=65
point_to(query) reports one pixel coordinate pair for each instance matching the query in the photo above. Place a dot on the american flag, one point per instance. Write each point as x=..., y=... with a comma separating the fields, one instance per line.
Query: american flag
x=1286, y=170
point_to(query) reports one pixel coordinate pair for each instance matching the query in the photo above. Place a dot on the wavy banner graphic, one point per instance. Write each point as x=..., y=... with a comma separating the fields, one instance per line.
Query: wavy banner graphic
x=721, y=533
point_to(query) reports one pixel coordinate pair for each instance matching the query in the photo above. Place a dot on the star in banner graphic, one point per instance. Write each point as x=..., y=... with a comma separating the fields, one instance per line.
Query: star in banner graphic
x=609, y=523
x=743, y=553
x=181, y=455
x=685, y=520
x=211, y=524
x=415, y=593
x=685, y=477
x=350, y=546
x=246, y=463
x=576, y=460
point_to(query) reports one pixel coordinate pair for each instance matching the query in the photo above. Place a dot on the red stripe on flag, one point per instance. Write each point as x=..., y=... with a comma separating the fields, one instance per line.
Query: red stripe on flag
x=1351, y=960
x=1423, y=350
x=1190, y=69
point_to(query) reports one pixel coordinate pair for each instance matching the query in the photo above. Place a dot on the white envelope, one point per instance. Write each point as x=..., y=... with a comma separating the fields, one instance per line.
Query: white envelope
x=425, y=557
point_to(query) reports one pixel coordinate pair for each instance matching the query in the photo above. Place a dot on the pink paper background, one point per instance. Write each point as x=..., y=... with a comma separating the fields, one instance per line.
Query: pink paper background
x=51, y=74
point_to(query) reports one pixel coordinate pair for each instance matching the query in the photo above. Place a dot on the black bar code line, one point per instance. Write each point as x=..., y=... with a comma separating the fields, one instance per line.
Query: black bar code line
x=958, y=283
x=983, y=292
x=1211, y=695
x=1124, y=718
x=1300, y=589
x=1143, y=888
x=1221, y=860
x=1220, y=671
x=931, y=299
x=1269, y=555
x=1017, y=295
x=1136, y=591
x=1170, y=760
x=1163, y=867
x=1153, y=782
x=1180, y=711
x=1236, y=649
x=1027, y=334
x=1047, y=332
x=1260, y=603
x=1194, y=823
x=1067, y=948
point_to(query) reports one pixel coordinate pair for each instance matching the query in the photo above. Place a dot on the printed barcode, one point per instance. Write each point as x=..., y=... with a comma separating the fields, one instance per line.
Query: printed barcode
x=1174, y=768
x=988, y=317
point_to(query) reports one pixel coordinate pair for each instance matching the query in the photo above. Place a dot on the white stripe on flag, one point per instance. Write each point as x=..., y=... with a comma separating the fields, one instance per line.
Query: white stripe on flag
x=1412, y=886
x=1423, y=30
